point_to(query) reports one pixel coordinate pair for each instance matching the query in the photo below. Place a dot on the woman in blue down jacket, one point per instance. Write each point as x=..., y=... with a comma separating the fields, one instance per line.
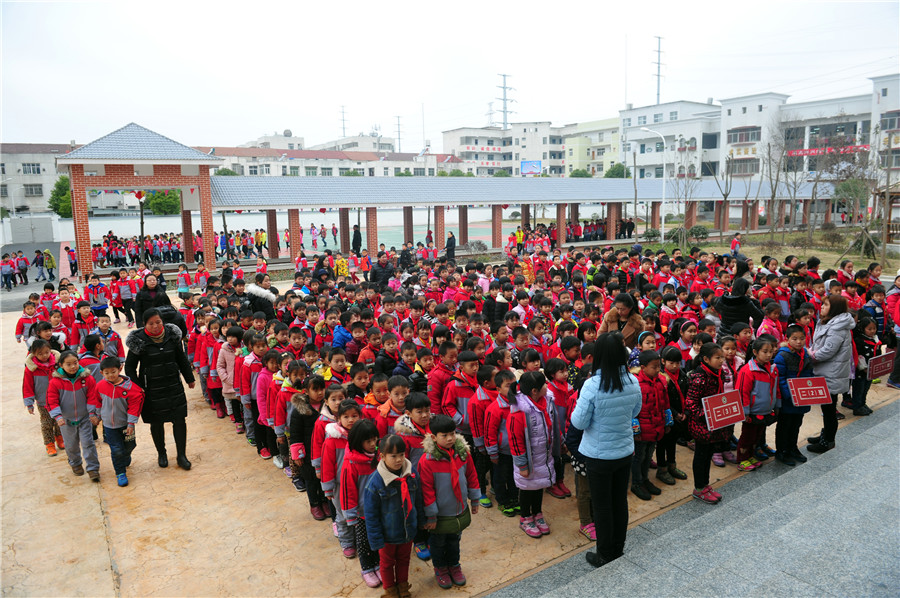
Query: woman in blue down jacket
x=609, y=401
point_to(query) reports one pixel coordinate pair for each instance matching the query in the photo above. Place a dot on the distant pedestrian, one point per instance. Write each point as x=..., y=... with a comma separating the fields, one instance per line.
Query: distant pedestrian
x=49, y=264
x=451, y=246
x=38, y=262
x=334, y=232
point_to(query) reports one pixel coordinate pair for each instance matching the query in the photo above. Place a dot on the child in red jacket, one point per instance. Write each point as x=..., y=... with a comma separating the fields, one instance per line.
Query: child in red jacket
x=560, y=396
x=39, y=367
x=120, y=403
x=496, y=442
x=333, y=452
x=654, y=420
x=29, y=316
x=72, y=401
x=757, y=382
x=359, y=464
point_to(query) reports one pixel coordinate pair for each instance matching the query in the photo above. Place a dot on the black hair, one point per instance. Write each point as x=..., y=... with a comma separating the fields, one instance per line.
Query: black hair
x=442, y=424
x=395, y=381
x=363, y=430
x=531, y=381
x=670, y=353
x=346, y=405
x=391, y=445
x=417, y=400
x=554, y=365
x=610, y=360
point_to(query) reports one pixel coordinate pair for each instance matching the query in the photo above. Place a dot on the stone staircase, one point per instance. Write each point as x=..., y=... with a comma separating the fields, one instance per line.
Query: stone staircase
x=827, y=527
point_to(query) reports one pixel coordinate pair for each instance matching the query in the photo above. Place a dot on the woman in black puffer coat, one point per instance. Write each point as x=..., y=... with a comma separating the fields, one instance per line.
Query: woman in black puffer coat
x=150, y=295
x=738, y=306
x=155, y=357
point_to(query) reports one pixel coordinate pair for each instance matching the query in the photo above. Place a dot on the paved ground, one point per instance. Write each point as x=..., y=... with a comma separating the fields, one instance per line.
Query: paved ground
x=233, y=525
x=825, y=528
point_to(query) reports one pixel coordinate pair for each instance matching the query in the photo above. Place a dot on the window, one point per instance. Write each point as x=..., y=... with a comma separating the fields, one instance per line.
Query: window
x=884, y=92
x=759, y=108
x=396, y=170
x=312, y=170
x=295, y=171
x=31, y=168
x=431, y=172
x=681, y=172
x=386, y=171
x=143, y=170
x=544, y=141
x=658, y=172
x=283, y=170
x=34, y=190
x=361, y=171
x=3, y=191
x=327, y=171
x=626, y=122
x=600, y=136
x=659, y=146
x=253, y=170
x=264, y=169
x=709, y=168
x=570, y=152
x=517, y=141
x=657, y=118
x=643, y=148
x=2, y=168
x=490, y=157
x=601, y=151
x=343, y=171
x=744, y=135
x=628, y=147
x=642, y=120
x=745, y=166
x=729, y=112
x=490, y=171
x=743, y=110
x=516, y=156
x=642, y=174
x=889, y=121
x=418, y=172
x=476, y=141
x=545, y=155
x=673, y=115
x=468, y=170
x=570, y=168
x=894, y=162
x=692, y=171
x=490, y=142
x=709, y=140
x=290, y=146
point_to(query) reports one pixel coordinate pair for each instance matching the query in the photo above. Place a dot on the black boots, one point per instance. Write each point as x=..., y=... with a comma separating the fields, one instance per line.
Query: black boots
x=820, y=447
x=179, y=431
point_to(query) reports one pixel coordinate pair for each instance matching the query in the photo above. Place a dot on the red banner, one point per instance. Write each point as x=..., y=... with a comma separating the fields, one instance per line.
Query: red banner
x=818, y=151
x=807, y=392
x=881, y=365
x=723, y=410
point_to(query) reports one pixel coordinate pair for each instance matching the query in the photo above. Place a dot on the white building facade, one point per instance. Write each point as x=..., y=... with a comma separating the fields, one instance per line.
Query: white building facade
x=485, y=150
x=28, y=173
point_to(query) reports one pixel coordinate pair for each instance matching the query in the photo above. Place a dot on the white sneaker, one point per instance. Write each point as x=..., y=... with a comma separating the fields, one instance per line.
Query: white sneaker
x=278, y=462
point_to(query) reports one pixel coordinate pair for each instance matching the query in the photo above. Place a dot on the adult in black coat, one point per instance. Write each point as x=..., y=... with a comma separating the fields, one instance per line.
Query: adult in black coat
x=356, y=244
x=451, y=246
x=150, y=295
x=738, y=306
x=260, y=297
x=155, y=358
x=382, y=271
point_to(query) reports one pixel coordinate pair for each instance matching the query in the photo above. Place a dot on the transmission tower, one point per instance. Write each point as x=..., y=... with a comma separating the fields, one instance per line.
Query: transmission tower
x=343, y=122
x=398, y=134
x=506, y=101
x=658, y=64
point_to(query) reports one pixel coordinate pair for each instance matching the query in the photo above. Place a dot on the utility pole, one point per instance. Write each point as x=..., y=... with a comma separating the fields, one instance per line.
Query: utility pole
x=490, y=114
x=398, y=133
x=506, y=101
x=424, y=141
x=658, y=64
x=343, y=122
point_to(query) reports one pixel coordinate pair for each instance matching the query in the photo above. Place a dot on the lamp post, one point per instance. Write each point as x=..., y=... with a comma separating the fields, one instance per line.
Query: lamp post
x=662, y=208
x=141, y=250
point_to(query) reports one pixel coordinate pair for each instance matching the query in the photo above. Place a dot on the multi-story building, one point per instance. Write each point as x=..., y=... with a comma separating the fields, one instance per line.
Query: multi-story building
x=592, y=146
x=28, y=173
x=285, y=141
x=372, y=142
x=484, y=150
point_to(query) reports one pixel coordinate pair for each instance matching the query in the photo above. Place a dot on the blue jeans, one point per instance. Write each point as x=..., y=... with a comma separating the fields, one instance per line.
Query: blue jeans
x=444, y=549
x=119, y=448
x=7, y=281
x=859, y=388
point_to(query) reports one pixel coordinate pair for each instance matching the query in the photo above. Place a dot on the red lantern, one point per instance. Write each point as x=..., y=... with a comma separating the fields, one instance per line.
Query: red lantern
x=504, y=206
x=602, y=203
x=239, y=211
x=139, y=194
x=323, y=210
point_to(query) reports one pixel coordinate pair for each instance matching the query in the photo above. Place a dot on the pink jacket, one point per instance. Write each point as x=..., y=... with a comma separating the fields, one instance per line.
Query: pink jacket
x=225, y=368
x=263, y=381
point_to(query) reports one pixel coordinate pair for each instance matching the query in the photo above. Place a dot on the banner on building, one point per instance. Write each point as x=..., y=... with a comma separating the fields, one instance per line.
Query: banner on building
x=820, y=151
x=530, y=168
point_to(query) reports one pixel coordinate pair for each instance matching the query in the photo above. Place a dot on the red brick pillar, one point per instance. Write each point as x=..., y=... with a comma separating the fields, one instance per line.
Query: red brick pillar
x=573, y=213
x=496, y=226
x=560, y=224
x=408, y=229
x=372, y=232
x=690, y=214
x=654, y=214
x=206, y=221
x=827, y=211
x=526, y=215
x=754, y=215
x=440, y=236
x=726, y=212
x=717, y=216
x=80, y=221
x=463, y=225
x=806, y=204
x=613, y=213
x=344, y=229
x=294, y=230
x=187, y=236
x=272, y=234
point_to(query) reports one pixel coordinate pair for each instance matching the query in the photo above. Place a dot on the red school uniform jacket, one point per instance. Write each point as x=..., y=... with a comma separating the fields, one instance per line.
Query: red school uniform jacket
x=333, y=450
x=477, y=408
x=318, y=438
x=458, y=393
x=654, y=403
x=80, y=329
x=37, y=379
x=120, y=404
x=25, y=323
x=438, y=378
x=355, y=474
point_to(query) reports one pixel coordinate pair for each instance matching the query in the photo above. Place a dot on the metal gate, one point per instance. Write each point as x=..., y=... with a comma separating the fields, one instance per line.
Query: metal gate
x=33, y=228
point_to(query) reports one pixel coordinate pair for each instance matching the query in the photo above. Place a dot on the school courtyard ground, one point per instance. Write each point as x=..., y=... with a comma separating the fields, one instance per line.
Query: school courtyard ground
x=235, y=526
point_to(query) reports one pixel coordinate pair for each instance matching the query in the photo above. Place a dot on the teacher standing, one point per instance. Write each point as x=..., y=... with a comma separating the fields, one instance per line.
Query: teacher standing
x=151, y=295
x=155, y=358
x=608, y=402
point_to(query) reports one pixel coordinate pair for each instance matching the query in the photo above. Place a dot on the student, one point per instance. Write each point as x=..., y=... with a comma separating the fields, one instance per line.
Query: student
x=705, y=381
x=40, y=365
x=496, y=440
x=650, y=426
x=867, y=345
x=358, y=467
x=445, y=497
x=440, y=376
x=392, y=515
x=560, y=397
x=227, y=372
x=792, y=361
x=757, y=383
x=531, y=431
x=72, y=402
x=394, y=407
x=120, y=404
x=28, y=318
x=333, y=451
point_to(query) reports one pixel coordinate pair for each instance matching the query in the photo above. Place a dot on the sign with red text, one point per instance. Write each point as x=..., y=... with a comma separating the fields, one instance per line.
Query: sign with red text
x=723, y=410
x=881, y=365
x=806, y=392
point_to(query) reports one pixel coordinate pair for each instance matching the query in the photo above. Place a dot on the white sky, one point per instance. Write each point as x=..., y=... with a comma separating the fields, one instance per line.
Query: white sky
x=223, y=73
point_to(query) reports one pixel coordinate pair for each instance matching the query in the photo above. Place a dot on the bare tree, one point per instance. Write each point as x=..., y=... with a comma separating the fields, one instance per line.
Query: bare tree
x=724, y=183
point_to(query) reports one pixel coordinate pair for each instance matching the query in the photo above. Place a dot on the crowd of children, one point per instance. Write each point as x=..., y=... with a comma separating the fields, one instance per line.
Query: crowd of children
x=395, y=407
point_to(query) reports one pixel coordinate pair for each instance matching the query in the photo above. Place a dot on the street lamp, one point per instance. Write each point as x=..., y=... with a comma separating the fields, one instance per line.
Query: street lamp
x=662, y=209
x=141, y=250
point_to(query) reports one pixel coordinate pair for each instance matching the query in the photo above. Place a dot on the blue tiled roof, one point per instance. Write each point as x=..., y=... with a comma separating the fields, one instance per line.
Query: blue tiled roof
x=134, y=142
x=261, y=192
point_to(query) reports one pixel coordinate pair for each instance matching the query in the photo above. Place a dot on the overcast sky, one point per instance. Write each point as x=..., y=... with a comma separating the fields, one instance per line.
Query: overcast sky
x=223, y=73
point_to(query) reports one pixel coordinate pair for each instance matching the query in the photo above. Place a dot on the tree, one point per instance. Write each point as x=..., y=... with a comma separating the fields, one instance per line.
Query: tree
x=351, y=172
x=724, y=184
x=470, y=175
x=501, y=173
x=404, y=173
x=442, y=173
x=61, y=198
x=581, y=173
x=617, y=171
x=457, y=172
x=852, y=193
x=165, y=203
x=224, y=172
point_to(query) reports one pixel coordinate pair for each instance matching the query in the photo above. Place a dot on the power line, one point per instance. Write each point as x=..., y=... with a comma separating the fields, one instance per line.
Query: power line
x=506, y=101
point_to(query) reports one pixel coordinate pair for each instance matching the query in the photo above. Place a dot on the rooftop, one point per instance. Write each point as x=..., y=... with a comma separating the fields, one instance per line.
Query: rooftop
x=134, y=143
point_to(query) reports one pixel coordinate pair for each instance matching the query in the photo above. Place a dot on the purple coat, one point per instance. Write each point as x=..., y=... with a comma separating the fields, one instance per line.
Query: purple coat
x=538, y=455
